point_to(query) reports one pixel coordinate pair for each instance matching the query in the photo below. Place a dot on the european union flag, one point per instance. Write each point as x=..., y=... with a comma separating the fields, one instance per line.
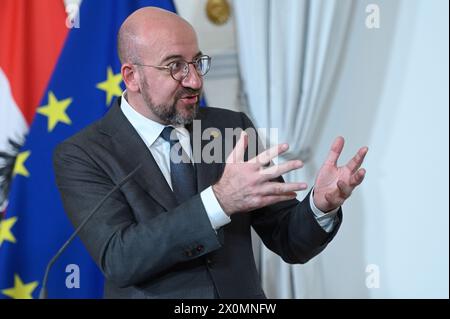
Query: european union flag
x=83, y=85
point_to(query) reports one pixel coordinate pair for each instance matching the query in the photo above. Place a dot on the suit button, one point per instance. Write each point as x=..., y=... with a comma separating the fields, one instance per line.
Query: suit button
x=200, y=248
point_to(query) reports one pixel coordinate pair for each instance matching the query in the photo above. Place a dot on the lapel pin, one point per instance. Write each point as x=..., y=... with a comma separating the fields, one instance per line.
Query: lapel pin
x=215, y=134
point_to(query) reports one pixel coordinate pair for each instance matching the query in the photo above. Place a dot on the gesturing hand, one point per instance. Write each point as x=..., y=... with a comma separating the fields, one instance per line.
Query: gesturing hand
x=335, y=184
x=245, y=186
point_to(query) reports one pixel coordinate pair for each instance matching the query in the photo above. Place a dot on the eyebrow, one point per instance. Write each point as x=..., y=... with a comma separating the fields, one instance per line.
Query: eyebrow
x=177, y=56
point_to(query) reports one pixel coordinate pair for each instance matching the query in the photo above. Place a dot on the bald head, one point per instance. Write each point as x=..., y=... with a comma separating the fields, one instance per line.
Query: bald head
x=147, y=28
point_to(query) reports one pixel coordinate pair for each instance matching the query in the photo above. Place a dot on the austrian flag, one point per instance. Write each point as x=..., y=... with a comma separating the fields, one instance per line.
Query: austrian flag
x=56, y=78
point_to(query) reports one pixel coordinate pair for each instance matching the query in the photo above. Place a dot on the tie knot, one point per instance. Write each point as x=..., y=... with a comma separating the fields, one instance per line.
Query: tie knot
x=167, y=135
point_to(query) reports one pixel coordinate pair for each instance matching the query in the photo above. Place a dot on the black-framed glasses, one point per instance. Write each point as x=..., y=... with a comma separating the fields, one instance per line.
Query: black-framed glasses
x=179, y=69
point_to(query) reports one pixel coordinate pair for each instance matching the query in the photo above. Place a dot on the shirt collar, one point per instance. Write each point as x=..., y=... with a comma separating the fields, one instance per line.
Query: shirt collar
x=148, y=129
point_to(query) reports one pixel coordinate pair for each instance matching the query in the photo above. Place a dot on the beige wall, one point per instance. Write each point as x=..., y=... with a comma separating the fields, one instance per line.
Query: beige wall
x=221, y=83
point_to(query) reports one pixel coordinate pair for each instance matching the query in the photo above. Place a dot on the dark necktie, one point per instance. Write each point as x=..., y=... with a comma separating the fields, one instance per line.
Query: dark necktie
x=182, y=174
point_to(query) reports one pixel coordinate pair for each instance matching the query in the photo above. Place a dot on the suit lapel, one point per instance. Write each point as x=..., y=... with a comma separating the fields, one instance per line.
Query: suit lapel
x=132, y=151
x=207, y=173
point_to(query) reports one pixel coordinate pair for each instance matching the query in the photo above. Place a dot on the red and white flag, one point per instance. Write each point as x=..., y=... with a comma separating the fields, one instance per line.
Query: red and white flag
x=30, y=44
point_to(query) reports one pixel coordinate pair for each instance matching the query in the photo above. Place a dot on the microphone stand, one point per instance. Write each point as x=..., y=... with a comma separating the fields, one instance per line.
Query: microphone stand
x=43, y=294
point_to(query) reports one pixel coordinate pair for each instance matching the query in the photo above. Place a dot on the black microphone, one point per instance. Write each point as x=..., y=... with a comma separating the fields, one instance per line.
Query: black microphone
x=43, y=292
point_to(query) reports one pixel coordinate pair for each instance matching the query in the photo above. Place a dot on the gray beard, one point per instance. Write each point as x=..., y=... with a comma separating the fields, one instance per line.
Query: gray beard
x=168, y=114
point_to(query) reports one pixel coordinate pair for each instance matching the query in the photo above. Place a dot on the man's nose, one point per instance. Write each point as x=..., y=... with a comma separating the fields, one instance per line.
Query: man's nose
x=193, y=80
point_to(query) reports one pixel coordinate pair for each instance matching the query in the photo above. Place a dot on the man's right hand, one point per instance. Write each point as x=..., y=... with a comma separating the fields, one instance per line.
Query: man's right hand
x=246, y=186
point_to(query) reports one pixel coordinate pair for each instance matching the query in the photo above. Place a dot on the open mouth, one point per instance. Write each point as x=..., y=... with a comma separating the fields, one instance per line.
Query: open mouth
x=190, y=99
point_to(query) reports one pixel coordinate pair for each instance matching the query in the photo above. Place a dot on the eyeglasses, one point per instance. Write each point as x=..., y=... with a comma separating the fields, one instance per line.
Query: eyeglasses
x=179, y=69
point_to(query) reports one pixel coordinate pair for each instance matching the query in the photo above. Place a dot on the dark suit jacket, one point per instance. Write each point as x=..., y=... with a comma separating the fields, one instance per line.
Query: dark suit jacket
x=147, y=245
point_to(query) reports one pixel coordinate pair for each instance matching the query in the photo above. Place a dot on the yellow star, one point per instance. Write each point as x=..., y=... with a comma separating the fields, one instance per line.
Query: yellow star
x=111, y=85
x=19, y=165
x=5, y=230
x=20, y=290
x=55, y=111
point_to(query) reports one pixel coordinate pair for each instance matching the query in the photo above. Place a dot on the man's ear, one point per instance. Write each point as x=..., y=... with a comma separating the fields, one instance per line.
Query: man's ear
x=130, y=77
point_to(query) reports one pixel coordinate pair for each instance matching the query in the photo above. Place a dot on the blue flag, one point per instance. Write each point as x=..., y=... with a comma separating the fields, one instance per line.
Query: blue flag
x=83, y=85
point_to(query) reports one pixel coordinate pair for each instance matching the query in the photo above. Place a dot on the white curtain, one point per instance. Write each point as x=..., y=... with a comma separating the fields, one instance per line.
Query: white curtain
x=289, y=53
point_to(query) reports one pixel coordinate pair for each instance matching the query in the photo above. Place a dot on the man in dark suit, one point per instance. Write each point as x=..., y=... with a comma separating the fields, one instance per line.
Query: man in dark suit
x=180, y=228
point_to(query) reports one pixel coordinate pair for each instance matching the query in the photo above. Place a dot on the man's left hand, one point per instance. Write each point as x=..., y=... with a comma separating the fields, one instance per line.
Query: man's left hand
x=335, y=184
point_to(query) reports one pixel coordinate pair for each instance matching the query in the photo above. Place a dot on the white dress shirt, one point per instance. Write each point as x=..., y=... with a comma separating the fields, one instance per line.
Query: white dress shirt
x=150, y=131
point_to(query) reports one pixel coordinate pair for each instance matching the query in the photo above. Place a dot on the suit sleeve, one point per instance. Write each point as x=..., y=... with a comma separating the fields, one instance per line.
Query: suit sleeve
x=128, y=251
x=289, y=228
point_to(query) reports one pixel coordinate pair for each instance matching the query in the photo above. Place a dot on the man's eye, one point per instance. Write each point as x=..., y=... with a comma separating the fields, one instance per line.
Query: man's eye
x=177, y=66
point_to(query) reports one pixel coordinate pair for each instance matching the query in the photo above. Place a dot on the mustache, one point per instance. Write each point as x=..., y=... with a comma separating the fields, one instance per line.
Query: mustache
x=187, y=92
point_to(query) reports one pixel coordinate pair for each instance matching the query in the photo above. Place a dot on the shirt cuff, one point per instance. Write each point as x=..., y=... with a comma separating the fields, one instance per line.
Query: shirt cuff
x=325, y=220
x=216, y=215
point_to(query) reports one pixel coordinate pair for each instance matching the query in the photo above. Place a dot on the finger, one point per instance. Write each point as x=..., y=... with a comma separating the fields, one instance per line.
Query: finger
x=238, y=153
x=335, y=150
x=357, y=178
x=274, y=188
x=265, y=157
x=278, y=170
x=357, y=160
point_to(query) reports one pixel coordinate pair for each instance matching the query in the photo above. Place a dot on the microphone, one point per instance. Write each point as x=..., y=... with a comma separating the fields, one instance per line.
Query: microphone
x=43, y=293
